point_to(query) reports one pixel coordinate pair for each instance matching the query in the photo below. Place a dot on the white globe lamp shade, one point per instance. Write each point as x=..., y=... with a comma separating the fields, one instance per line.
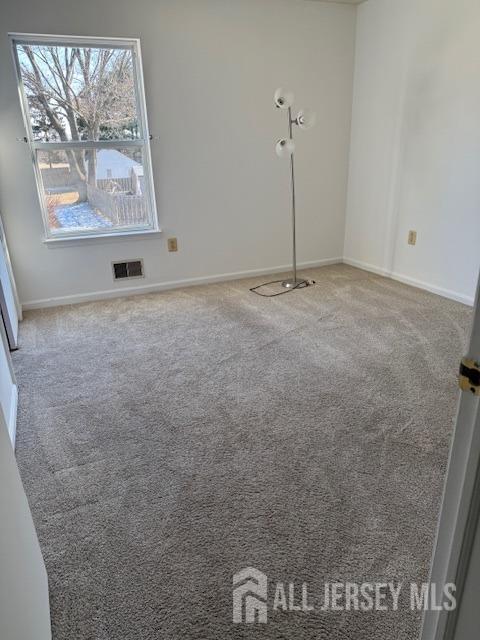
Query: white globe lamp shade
x=283, y=99
x=285, y=148
x=306, y=119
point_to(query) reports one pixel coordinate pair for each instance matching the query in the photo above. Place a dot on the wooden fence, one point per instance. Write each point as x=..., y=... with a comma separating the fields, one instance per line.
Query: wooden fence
x=116, y=184
x=57, y=177
x=120, y=208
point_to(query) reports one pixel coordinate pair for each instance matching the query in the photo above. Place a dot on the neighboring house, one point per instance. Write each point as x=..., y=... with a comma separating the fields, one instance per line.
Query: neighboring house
x=114, y=164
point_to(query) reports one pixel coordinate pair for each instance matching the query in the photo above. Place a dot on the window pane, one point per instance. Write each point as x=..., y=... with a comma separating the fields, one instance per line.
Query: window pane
x=94, y=189
x=79, y=93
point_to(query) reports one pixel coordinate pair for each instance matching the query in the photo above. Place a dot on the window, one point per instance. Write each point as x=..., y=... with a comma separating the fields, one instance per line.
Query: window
x=84, y=110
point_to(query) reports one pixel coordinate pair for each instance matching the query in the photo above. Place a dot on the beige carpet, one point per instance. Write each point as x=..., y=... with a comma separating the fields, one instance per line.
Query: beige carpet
x=167, y=441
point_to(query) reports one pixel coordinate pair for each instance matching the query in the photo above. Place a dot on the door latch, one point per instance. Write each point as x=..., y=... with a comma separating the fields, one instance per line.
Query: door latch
x=469, y=379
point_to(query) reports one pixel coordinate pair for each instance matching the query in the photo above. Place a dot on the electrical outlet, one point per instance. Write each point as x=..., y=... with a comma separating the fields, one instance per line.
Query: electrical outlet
x=172, y=244
x=412, y=237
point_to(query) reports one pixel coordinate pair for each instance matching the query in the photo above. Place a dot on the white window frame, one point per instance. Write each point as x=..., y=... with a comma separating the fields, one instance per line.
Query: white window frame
x=143, y=142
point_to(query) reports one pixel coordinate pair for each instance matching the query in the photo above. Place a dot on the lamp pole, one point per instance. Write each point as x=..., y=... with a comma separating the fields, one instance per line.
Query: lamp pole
x=292, y=282
x=284, y=148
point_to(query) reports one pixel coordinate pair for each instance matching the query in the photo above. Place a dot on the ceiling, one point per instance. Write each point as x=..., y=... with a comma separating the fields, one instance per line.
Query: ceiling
x=342, y=1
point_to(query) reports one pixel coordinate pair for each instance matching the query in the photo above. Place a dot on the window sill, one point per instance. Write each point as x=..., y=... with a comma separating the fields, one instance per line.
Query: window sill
x=99, y=237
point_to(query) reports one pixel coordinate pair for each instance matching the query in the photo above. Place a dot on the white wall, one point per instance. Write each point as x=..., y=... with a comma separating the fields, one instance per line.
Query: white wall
x=211, y=67
x=24, y=607
x=415, y=146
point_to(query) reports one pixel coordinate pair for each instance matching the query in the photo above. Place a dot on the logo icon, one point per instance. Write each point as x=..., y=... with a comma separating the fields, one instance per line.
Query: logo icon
x=250, y=596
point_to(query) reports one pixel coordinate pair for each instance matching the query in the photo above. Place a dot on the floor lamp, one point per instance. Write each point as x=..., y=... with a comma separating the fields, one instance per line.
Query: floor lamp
x=285, y=148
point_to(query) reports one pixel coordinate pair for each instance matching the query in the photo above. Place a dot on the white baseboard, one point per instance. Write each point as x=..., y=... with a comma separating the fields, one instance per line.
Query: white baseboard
x=237, y=275
x=413, y=282
x=164, y=286
x=439, y=291
x=367, y=267
x=12, y=422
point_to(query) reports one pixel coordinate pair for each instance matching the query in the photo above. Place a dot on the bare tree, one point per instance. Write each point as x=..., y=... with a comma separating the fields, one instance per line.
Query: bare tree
x=76, y=94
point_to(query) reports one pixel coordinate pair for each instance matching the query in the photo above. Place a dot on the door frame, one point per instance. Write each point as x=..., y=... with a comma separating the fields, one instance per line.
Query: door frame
x=11, y=324
x=460, y=508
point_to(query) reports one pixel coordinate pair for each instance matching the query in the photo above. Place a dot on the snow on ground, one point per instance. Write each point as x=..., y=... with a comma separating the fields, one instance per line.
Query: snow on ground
x=80, y=216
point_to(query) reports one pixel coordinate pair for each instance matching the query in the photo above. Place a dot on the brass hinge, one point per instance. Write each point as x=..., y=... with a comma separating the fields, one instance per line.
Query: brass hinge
x=469, y=379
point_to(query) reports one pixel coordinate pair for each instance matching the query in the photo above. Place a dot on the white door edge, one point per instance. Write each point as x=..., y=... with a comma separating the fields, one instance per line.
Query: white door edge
x=451, y=550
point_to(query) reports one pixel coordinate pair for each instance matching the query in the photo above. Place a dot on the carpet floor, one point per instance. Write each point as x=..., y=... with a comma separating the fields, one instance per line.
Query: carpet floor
x=168, y=440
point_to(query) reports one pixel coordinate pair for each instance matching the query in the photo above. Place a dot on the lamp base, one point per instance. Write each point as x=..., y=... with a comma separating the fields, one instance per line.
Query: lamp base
x=292, y=284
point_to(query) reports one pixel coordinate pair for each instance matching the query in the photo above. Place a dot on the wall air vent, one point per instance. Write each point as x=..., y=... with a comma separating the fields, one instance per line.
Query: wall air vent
x=127, y=269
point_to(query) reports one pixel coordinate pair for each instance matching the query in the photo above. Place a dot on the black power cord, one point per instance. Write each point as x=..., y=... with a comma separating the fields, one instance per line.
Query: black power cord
x=300, y=285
